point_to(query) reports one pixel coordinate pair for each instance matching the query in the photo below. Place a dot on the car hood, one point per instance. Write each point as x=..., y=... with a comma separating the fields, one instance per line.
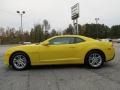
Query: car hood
x=21, y=48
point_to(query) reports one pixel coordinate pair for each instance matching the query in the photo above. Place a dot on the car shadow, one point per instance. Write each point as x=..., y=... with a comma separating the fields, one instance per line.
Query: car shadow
x=56, y=66
x=66, y=66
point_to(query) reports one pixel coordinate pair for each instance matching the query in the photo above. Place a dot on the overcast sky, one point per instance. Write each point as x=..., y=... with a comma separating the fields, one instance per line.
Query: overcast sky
x=58, y=12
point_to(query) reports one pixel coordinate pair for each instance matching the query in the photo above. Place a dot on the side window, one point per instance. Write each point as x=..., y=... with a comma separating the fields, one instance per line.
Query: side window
x=61, y=40
x=78, y=40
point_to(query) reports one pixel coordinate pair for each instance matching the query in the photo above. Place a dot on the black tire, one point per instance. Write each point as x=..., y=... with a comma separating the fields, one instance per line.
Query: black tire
x=97, y=61
x=19, y=61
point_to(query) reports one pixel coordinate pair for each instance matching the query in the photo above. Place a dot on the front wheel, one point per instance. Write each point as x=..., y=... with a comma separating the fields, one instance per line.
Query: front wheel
x=94, y=59
x=19, y=61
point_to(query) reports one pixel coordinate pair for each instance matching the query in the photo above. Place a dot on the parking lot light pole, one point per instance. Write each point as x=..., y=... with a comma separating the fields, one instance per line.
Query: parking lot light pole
x=21, y=15
x=21, y=26
x=97, y=19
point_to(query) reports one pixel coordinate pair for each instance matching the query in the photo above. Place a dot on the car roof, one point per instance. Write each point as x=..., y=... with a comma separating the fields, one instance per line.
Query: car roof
x=80, y=36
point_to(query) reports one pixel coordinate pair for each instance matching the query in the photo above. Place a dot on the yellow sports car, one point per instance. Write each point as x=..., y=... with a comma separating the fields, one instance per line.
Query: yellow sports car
x=66, y=49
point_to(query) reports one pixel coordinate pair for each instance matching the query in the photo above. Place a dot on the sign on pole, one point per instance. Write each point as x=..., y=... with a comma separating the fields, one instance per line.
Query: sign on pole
x=75, y=11
x=75, y=16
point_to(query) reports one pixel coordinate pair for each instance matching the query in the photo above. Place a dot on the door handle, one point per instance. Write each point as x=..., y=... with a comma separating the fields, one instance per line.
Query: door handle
x=71, y=47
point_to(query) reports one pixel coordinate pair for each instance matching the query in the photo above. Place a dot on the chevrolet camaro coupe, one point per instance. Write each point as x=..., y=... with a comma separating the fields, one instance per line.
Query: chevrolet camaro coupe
x=65, y=49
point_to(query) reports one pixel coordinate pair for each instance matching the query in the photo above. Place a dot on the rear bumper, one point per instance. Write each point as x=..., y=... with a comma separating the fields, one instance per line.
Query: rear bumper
x=110, y=54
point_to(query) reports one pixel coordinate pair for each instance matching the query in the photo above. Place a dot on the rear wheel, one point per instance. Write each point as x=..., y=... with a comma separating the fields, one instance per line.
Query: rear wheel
x=94, y=59
x=19, y=61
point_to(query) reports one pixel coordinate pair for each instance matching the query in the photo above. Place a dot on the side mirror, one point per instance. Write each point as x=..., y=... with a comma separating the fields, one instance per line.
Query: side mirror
x=45, y=43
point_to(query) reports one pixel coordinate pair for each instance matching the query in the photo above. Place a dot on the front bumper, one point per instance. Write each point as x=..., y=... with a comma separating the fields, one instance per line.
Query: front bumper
x=6, y=59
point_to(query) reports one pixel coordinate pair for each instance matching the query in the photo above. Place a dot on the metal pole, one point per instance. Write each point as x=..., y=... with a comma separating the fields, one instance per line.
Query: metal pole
x=21, y=24
x=74, y=27
x=97, y=28
x=75, y=23
x=21, y=15
x=96, y=19
x=77, y=26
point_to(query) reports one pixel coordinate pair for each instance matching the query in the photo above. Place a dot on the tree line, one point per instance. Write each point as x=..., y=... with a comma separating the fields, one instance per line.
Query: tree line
x=38, y=33
x=41, y=32
x=95, y=31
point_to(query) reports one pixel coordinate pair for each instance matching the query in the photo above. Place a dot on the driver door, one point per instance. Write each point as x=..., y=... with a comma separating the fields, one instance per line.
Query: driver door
x=59, y=50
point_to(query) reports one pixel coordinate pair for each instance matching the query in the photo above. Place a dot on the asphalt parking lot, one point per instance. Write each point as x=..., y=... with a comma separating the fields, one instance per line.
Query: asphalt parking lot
x=61, y=77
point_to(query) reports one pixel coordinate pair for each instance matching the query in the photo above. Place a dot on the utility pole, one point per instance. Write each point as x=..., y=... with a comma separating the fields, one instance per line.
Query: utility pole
x=21, y=26
x=97, y=19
